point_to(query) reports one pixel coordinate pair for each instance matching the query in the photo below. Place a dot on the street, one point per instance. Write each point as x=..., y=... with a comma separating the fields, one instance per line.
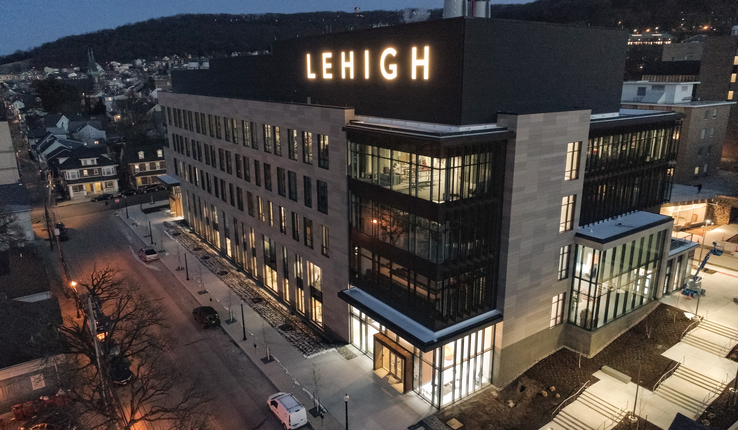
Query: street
x=236, y=388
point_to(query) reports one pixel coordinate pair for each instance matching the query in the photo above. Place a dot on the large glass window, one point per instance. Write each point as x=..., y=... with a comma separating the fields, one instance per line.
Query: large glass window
x=557, y=310
x=609, y=284
x=307, y=147
x=307, y=186
x=564, y=255
x=323, y=151
x=292, y=143
x=268, y=138
x=322, y=197
x=457, y=176
x=292, y=184
x=281, y=182
x=567, y=213
x=572, y=161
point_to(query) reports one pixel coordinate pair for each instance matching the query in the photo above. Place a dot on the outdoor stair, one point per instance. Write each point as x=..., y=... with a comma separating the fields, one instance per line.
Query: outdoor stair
x=608, y=410
x=569, y=422
x=705, y=345
x=720, y=329
x=667, y=393
x=700, y=380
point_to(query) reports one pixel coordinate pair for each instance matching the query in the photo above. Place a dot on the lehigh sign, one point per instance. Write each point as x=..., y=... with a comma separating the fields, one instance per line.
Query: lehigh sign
x=388, y=63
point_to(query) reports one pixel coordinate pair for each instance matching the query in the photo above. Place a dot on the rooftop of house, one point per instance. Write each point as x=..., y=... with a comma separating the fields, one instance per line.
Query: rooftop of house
x=22, y=273
x=15, y=196
x=28, y=330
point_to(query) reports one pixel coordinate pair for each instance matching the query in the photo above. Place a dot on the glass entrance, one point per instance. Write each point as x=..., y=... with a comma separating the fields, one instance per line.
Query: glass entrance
x=392, y=363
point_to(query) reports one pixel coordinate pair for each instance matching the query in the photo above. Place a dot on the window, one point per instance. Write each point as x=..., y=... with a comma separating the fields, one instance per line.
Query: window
x=234, y=129
x=277, y=142
x=282, y=221
x=257, y=173
x=140, y=156
x=230, y=193
x=730, y=95
x=323, y=151
x=215, y=182
x=207, y=154
x=308, y=191
x=218, y=126
x=270, y=213
x=702, y=133
x=323, y=197
x=211, y=121
x=246, y=169
x=268, y=176
x=229, y=167
x=250, y=202
x=572, y=161
x=184, y=120
x=567, y=213
x=296, y=226
x=307, y=147
x=227, y=129
x=239, y=197
x=641, y=91
x=697, y=170
x=292, y=182
x=707, y=114
x=260, y=207
x=254, y=138
x=564, y=255
x=223, y=191
x=268, y=138
x=221, y=159
x=557, y=310
x=197, y=122
x=169, y=115
x=308, y=233
x=239, y=169
x=202, y=122
x=324, y=240
x=732, y=80
x=292, y=143
x=714, y=113
x=246, y=133
x=712, y=132
x=281, y=182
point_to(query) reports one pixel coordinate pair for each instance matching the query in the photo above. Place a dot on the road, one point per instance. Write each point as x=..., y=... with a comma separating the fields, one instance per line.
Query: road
x=238, y=390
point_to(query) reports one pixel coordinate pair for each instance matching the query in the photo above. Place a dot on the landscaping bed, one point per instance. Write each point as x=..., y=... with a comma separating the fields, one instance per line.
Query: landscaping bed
x=566, y=371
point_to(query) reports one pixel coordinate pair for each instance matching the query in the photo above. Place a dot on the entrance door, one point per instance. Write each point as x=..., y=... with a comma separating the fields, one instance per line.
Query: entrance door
x=393, y=363
x=98, y=187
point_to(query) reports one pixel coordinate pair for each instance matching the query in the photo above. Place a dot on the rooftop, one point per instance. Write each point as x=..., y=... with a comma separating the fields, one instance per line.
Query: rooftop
x=624, y=225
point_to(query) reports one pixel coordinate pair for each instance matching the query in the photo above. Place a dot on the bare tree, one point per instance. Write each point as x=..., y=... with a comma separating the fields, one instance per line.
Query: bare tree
x=11, y=233
x=136, y=333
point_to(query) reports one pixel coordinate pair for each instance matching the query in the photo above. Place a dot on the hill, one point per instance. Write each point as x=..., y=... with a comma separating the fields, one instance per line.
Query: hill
x=221, y=34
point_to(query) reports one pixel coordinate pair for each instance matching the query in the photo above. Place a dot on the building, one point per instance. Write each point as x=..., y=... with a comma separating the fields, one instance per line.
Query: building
x=717, y=58
x=438, y=203
x=703, y=127
x=87, y=171
x=143, y=165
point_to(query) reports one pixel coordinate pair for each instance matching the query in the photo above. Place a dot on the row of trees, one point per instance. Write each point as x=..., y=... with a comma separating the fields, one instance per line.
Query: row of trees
x=137, y=334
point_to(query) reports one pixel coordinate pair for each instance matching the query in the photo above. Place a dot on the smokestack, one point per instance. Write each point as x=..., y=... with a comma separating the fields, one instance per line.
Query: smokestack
x=468, y=8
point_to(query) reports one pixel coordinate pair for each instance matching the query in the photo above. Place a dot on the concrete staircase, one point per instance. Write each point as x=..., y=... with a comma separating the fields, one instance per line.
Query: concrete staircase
x=705, y=345
x=722, y=338
x=694, y=400
x=719, y=329
x=611, y=414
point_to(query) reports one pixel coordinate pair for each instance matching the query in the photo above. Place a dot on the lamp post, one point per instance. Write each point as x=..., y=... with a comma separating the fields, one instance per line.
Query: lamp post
x=187, y=270
x=243, y=322
x=345, y=401
x=125, y=199
x=76, y=297
x=151, y=233
x=633, y=416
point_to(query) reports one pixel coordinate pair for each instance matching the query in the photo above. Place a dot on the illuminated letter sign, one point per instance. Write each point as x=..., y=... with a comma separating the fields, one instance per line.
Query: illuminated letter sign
x=392, y=74
x=311, y=75
x=347, y=65
x=327, y=65
x=422, y=62
x=366, y=64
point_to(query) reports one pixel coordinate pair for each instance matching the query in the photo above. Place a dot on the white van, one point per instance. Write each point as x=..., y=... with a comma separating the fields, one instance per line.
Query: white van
x=288, y=410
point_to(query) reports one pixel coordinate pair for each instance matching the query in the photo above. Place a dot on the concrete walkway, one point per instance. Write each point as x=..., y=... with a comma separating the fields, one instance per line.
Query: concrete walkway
x=373, y=403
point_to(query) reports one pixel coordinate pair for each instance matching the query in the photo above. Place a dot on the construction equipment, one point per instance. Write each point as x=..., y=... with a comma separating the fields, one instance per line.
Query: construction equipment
x=693, y=286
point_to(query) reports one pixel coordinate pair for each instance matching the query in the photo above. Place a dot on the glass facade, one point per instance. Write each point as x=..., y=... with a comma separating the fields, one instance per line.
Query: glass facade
x=628, y=170
x=442, y=375
x=611, y=283
x=437, y=179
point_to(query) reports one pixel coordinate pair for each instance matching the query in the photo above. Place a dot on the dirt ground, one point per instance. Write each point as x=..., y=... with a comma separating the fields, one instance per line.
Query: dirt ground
x=639, y=348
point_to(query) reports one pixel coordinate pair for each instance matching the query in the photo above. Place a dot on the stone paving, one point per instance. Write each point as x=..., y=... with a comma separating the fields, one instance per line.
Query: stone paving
x=290, y=326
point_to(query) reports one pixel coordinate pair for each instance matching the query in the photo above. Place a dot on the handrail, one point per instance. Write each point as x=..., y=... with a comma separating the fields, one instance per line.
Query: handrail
x=615, y=418
x=688, y=329
x=562, y=404
x=665, y=375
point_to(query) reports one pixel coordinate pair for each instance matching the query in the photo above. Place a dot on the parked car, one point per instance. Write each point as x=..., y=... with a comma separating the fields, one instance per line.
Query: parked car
x=120, y=371
x=62, y=231
x=290, y=412
x=148, y=254
x=206, y=316
x=102, y=197
x=128, y=192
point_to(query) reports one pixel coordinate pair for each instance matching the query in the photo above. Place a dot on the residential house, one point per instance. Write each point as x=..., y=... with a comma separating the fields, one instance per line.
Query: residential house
x=87, y=171
x=90, y=132
x=56, y=121
x=52, y=147
x=143, y=165
x=29, y=315
x=16, y=203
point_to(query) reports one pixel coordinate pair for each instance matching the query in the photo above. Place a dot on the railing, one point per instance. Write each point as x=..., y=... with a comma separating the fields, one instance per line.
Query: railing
x=689, y=327
x=619, y=415
x=666, y=375
x=563, y=404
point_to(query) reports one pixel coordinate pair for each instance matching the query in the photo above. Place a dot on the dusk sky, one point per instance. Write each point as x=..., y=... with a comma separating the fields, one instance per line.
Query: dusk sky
x=29, y=23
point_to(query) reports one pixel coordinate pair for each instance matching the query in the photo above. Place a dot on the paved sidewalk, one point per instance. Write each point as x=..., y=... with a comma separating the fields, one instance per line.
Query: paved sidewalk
x=373, y=404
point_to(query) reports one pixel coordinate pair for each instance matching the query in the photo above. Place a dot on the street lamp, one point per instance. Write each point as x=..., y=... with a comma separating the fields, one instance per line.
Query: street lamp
x=345, y=400
x=73, y=284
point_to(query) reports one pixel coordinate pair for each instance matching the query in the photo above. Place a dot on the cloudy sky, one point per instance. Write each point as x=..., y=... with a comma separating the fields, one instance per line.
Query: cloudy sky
x=29, y=23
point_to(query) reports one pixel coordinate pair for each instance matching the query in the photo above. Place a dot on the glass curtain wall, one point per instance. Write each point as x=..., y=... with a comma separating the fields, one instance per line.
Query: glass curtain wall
x=443, y=375
x=611, y=283
x=430, y=178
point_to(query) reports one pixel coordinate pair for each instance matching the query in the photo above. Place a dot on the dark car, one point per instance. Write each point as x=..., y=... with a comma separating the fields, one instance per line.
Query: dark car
x=102, y=197
x=206, y=316
x=120, y=371
x=62, y=231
